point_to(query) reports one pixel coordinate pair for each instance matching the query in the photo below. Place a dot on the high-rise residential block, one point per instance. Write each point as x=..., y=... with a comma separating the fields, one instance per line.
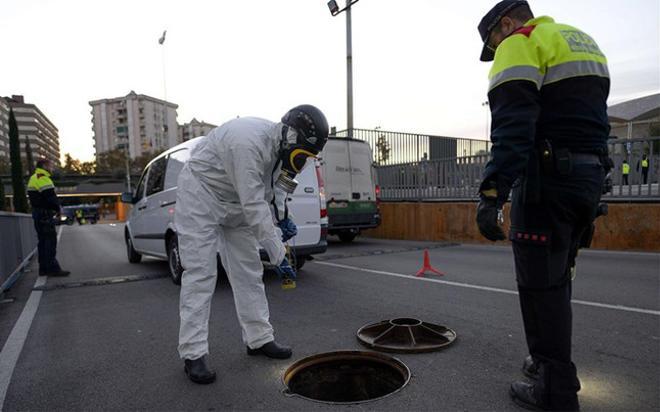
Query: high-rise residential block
x=141, y=123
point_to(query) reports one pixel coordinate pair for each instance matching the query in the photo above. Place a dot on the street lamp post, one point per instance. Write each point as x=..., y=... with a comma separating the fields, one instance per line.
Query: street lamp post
x=334, y=10
x=486, y=105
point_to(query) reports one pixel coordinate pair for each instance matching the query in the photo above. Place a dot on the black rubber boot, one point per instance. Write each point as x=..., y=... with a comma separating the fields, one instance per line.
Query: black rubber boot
x=198, y=372
x=530, y=368
x=522, y=393
x=272, y=350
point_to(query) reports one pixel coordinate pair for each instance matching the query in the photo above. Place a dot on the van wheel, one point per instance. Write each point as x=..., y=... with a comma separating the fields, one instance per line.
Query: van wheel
x=174, y=260
x=300, y=262
x=133, y=256
x=347, y=237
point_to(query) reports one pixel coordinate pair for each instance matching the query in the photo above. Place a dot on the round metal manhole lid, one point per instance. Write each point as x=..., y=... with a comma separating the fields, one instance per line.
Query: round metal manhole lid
x=405, y=335
x=346, y=377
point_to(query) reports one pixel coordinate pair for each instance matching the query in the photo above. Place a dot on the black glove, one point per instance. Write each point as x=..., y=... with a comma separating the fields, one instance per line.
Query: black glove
x=487, y=216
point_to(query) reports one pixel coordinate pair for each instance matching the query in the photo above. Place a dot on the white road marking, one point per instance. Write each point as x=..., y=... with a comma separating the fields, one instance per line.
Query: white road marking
x=14, y=345
x=487, y=288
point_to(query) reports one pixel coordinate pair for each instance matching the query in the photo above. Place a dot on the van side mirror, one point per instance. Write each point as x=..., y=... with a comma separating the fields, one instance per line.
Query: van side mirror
x=127, y=197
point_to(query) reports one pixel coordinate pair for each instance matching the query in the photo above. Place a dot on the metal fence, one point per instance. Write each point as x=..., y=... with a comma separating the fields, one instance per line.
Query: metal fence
x=18, y=242
x=641, y=185
x=417, y=167
x=402, y=148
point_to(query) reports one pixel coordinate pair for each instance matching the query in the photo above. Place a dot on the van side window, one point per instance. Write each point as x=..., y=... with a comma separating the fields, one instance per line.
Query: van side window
x=156, y=176
x=139, y=191
x=175, y=163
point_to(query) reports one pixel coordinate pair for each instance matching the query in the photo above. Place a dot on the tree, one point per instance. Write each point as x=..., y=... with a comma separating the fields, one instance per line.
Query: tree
x=28, y=155
x=88, y=168
x=139, y=163
x=73, y=166
x=18, y=185
x=111, y=162
x=4, y=167
x=383, y=149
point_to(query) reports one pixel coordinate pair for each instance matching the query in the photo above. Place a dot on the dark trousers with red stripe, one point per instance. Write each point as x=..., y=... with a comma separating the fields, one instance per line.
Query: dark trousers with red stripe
x=545, y=234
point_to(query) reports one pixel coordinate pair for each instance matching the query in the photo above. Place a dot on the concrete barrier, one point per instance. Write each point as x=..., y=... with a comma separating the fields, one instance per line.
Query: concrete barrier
x=18, y=242
x=629, y=226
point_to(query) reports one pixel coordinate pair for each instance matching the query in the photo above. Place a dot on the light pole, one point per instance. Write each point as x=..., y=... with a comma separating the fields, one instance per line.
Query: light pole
x=334, y=10
x=486, y=105
x=161, y=41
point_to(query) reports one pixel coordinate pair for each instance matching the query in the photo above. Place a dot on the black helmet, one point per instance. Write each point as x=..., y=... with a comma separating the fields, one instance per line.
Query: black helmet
x=310, y=125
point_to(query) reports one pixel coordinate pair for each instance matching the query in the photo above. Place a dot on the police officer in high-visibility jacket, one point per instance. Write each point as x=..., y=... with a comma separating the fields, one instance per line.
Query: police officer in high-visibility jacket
x=625, y=172
x=45, y=206
x=548, y=89
x=645, y=169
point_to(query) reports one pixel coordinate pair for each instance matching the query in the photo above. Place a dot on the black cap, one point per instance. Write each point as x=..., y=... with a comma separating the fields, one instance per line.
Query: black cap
x=491, y=19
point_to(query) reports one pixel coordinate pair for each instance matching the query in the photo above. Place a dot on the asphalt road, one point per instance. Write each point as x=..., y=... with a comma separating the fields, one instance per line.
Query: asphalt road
x=113, y=346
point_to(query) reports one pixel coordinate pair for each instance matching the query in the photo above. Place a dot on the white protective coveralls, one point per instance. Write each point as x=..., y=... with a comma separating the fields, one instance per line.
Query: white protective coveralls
x=225, y=202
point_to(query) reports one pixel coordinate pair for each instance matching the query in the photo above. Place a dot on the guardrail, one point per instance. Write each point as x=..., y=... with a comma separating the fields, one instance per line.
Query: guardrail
x=18, y=243
x=458, y=178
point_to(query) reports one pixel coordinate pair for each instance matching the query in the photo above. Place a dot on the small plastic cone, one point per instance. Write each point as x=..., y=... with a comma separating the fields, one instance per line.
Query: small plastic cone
x=427, y=266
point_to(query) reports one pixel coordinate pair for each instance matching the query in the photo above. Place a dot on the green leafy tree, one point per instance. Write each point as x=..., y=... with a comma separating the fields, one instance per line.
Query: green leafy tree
x=18, y=185
x=28, y=155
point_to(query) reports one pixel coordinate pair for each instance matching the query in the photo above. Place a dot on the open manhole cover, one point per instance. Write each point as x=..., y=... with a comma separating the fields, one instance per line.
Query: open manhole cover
x=345, y=377
x=405, y=335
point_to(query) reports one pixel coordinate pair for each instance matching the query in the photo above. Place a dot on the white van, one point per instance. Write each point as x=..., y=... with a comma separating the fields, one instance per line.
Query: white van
x=150, y=225
x=350, y=188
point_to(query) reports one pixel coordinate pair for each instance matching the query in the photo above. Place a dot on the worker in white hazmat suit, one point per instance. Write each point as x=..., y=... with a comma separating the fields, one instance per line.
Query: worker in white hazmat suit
x=230, y=198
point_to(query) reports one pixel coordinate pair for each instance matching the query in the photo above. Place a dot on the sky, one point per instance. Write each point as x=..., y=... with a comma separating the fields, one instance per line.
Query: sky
x=416, y=63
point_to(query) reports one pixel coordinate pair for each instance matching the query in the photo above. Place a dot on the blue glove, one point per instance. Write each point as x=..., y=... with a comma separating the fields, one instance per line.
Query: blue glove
x=288, y=228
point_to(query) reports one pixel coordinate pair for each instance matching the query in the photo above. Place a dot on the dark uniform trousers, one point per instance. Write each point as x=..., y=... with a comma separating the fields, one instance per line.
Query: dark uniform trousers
x=545, y=234
x=47, y=235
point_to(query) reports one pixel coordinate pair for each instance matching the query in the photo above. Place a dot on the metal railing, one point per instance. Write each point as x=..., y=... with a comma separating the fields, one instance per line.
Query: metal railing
x=390, y=148
x=639, y=185
x=18, y=242
x=459, y=177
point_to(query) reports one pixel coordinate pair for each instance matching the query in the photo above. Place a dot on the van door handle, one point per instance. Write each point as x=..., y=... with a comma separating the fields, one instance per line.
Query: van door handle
x=166, y=203
x=142, y=207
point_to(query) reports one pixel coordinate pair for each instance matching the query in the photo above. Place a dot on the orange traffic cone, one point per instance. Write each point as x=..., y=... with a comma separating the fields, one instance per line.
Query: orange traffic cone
x=427, y=266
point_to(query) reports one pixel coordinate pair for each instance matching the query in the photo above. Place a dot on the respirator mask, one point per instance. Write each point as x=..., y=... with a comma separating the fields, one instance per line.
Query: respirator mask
x=304, y=133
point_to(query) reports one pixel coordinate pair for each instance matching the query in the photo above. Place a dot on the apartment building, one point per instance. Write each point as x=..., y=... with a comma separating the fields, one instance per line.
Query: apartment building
x=33, y=125
x=194, y=129
x=4, y=131
x=141, y=123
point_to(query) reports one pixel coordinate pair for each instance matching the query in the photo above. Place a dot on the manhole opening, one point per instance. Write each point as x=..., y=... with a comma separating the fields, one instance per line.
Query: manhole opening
x=346, y=377
x=406, y=322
